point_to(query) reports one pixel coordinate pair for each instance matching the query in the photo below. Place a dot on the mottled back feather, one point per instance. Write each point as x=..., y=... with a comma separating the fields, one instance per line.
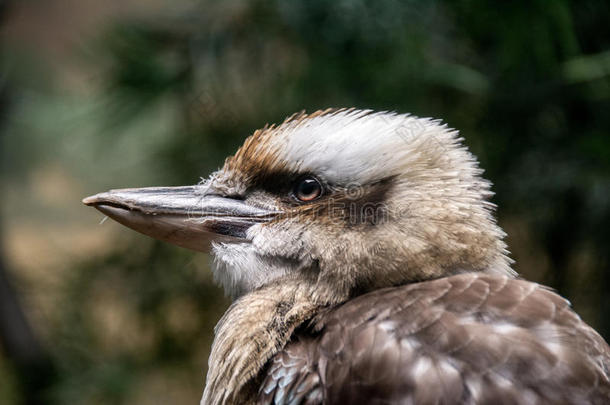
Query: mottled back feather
x=465, y=339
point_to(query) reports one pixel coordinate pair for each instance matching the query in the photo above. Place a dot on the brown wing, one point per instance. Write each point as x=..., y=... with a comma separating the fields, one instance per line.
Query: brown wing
x=471, y=339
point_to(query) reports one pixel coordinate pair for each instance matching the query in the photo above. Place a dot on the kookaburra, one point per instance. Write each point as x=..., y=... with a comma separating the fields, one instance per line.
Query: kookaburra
x=366, y=266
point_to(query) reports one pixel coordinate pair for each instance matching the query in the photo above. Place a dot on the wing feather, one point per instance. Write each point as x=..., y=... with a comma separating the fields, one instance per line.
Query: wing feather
x=468, y=339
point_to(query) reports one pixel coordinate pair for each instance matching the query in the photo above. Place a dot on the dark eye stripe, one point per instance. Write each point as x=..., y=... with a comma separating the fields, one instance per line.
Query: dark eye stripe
x=274, y=182
x=281, y=183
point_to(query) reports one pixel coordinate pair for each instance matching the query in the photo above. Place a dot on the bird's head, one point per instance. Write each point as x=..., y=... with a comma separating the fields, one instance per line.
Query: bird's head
x=347, y=200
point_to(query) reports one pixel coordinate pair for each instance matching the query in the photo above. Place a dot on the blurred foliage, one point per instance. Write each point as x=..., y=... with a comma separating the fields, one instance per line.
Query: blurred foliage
x=157, y=310
x=528, y=87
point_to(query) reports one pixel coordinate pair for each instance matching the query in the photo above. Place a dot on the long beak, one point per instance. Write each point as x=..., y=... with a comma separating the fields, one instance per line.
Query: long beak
x=184, y=216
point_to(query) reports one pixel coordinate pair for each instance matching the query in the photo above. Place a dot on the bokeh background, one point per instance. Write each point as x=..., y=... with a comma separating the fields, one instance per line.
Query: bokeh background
x=97, y=95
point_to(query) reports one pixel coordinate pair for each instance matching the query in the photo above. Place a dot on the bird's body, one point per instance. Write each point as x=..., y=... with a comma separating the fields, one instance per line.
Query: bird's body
x=468, y=339
x=367, y=267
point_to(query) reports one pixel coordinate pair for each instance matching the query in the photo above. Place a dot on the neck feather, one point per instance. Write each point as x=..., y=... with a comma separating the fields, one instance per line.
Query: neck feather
x=254, y=329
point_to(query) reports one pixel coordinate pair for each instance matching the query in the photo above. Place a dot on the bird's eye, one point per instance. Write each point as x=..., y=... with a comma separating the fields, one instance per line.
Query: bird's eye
x=308, y=189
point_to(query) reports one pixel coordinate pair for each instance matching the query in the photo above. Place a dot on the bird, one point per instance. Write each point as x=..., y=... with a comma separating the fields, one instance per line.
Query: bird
x=365, y=265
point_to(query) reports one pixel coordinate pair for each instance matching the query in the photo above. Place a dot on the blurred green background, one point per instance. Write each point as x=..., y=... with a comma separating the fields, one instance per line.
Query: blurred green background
x=99, y=95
